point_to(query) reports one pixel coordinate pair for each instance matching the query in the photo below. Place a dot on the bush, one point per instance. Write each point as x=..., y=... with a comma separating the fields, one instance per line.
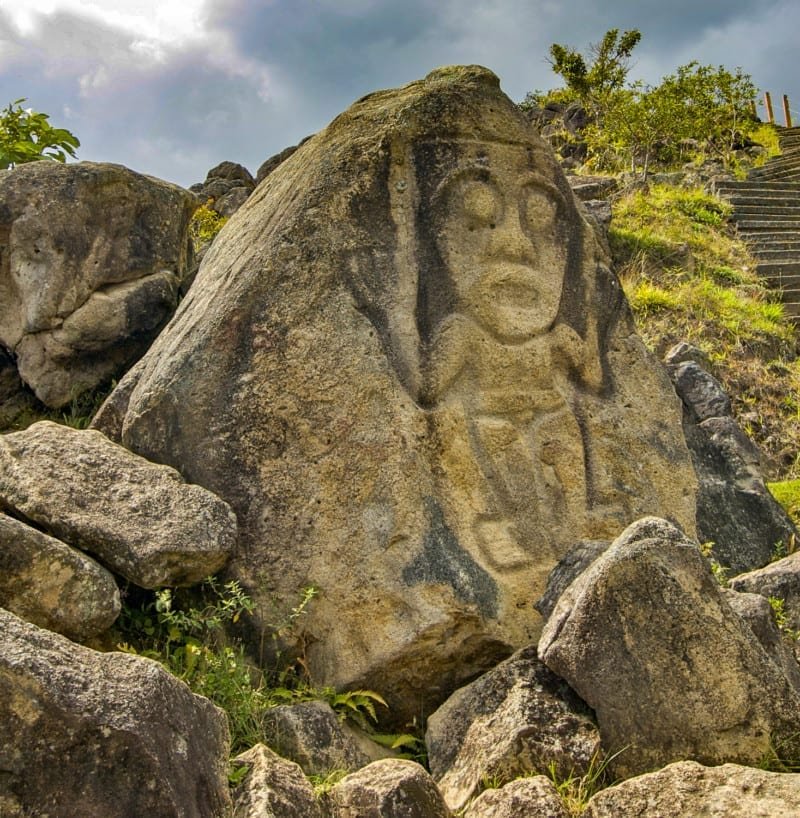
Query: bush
x=27, y=136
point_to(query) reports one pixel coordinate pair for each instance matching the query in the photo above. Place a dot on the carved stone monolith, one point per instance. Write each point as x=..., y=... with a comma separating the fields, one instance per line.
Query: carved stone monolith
x=408, y=368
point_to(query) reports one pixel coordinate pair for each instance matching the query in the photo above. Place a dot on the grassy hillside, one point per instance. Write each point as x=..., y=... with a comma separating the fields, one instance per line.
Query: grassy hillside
x=688, y=278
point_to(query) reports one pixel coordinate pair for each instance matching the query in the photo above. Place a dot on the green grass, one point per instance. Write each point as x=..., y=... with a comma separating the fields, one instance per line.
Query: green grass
x=787, y=493
x=688, y=278
x=187, y=631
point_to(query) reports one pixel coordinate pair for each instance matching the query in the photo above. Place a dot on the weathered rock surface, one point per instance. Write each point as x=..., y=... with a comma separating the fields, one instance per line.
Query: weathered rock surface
x=91, y=735
x=573, y=563
x=406, y=355
x=273, y=788
x=52, y=585
x=688, y=789
x=647, y=639
x=391, y=788
x=780, y=579
x=310, y=734
x=735, y=510
x=516, y=719
x=269, y=165
x=92, y=256
x=533, y=797
x=756, y=611
x=138, y=518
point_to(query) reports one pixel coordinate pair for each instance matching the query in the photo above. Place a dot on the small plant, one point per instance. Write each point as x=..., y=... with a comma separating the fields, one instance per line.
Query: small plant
x=575, y=791
x=185, y=630
x=356, y=705
x=405, y=745
x=787, y=493
x=783, y=755
x=719, y=571
x=205, y=225
x=27, y=136
x=323, y=784
x=778, y=606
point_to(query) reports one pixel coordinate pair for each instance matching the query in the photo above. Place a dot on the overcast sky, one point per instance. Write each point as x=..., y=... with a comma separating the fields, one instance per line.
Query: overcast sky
x=173, y=88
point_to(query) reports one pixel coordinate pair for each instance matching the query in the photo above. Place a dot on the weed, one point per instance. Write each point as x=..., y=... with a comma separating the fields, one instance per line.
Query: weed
x=185, y=631
x=783, y=755
x=787, y=493
x=323, y=784
x=781, y=620
x=405, y=745
x=205, y=224
x=575, y=791
x=719, y=571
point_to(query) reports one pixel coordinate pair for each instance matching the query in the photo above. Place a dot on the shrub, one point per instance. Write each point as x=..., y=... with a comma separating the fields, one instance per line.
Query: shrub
x=27, y=136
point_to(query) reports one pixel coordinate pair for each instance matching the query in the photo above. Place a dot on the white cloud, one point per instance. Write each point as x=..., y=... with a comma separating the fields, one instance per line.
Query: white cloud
x=162, y=21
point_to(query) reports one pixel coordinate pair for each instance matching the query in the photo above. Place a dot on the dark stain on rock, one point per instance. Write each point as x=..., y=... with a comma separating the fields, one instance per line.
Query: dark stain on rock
x=444, y=560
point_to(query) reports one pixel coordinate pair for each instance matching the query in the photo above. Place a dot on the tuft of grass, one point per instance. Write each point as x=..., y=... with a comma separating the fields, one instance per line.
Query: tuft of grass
x=575, y=791
x=787, y=493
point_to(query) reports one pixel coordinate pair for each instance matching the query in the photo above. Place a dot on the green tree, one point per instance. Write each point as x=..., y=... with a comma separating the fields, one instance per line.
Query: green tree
x=717, y=103
x=595, y=82
x=643, y=123
x=26, y=136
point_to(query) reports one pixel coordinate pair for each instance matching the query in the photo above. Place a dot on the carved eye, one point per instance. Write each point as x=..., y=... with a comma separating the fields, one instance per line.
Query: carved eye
x=480, y=205
x=539, y=209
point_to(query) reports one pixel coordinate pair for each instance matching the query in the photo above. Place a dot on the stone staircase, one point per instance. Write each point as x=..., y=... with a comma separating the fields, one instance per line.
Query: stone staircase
x=766, y=210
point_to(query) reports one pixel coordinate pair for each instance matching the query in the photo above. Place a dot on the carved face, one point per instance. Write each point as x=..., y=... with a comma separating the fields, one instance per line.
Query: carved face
x=499, y=240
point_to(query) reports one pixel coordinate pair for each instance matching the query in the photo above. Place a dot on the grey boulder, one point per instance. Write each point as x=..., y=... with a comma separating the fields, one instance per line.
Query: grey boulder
x=390, y=788
x=93, y=258
x=648, y=640
x=272, y=787
x=138, y=518
x=690, y=790
x=54, y=586
x=91, y=735
x=514, y=720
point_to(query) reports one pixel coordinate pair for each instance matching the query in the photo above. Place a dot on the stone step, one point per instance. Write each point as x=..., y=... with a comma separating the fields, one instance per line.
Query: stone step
x=742, y=200
x=769, y=253
x=787, y=160
x=789, y=174
x=747, y=186
x=769, y=210
x=749, y=224
x=779, y=271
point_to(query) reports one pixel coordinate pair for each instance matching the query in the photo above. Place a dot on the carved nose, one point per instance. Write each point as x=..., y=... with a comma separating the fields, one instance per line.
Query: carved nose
x=509, y=242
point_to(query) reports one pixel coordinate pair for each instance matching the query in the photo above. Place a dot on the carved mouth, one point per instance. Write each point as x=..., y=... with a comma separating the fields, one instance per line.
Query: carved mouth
x=512, y=285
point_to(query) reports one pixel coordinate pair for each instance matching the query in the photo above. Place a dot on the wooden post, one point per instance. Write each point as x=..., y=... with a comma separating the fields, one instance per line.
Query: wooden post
x=754, y=109
x=768, y=106
x=786, y=113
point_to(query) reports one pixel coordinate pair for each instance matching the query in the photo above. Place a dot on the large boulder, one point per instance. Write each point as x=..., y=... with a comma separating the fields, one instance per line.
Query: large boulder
x=406, y=355
x=517, y=719
x=687, y=788
x=90, y=735
x=91, y=257
x=52, y=585
x=735, y=511
x=645, y=636
x=138, y=518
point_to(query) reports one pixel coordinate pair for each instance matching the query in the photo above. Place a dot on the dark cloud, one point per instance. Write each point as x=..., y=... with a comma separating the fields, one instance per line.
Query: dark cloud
x=269, y=73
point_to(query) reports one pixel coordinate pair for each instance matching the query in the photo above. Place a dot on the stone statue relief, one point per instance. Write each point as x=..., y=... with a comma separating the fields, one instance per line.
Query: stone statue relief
x=501, y=366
